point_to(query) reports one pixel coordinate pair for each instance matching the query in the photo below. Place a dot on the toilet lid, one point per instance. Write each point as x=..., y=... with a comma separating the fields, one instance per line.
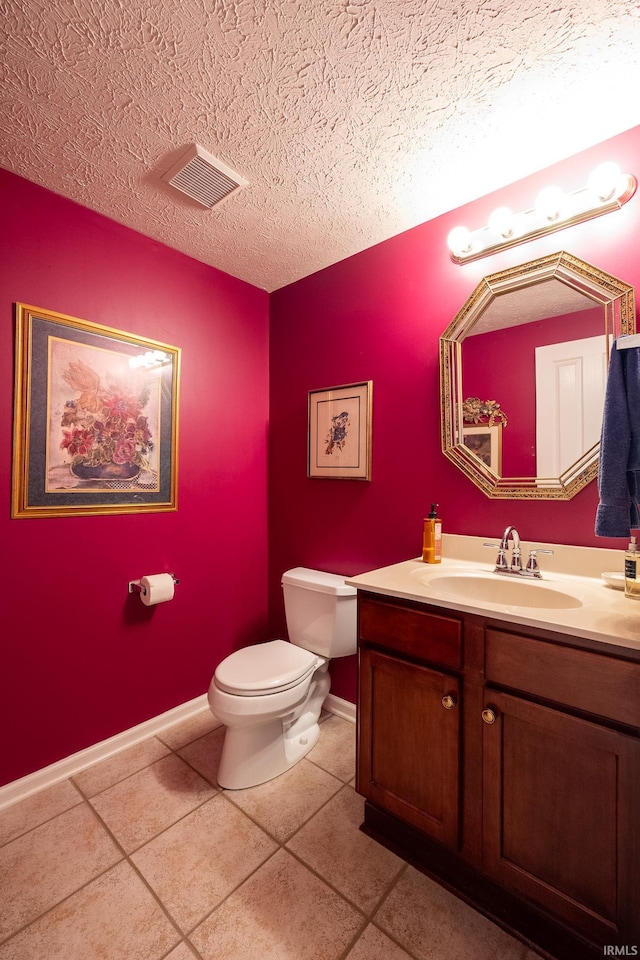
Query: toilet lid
x=265, y=668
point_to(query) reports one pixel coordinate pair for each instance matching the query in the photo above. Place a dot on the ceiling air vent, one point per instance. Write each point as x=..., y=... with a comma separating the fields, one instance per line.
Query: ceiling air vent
x=203, y=178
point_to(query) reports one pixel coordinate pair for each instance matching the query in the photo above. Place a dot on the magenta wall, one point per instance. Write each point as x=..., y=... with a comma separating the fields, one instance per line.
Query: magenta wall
x=378, y=316
x=81, y=659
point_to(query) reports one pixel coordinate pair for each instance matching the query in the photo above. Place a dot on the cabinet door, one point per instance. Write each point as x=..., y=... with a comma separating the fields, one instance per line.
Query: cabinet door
x=561, y=800
x=408, y=743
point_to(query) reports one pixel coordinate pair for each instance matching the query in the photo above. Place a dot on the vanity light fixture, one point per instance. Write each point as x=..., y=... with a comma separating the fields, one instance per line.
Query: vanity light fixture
x=607, y=189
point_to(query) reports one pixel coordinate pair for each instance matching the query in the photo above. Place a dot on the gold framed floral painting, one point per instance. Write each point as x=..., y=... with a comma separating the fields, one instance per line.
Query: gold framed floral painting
x=95, y=419
x=339, y=443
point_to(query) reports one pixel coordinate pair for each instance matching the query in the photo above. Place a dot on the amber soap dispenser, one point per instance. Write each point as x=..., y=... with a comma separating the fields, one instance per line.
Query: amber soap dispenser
x=432, y=537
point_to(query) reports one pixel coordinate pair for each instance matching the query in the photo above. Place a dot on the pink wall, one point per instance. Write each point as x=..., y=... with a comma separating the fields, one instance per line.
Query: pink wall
x=81, y=659
x=378, y=316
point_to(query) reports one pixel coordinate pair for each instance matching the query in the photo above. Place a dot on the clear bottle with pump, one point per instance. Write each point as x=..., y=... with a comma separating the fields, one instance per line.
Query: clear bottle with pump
x=631, y=571
x=432, y=537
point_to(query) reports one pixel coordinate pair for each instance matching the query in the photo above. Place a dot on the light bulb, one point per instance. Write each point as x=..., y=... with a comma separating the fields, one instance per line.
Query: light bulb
x=459, y=241
x=549, y=203
x=604, y=182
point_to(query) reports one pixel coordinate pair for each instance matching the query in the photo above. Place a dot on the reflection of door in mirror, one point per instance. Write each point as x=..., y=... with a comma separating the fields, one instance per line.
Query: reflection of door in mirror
x=570, y=386
x=501, y=365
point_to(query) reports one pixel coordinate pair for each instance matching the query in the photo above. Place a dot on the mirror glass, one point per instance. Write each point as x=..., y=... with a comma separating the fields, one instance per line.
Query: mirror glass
x=523, y=370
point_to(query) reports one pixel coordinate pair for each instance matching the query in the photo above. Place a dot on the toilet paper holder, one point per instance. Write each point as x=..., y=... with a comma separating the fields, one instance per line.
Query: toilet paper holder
x=136, y=587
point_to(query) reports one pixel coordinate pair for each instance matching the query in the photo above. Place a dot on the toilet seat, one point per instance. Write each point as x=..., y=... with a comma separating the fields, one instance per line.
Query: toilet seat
x=265, y=668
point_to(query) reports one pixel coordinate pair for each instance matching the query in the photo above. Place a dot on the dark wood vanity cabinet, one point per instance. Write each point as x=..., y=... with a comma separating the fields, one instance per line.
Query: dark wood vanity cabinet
x=507, y=765
x=411, y=764
x=409, y=715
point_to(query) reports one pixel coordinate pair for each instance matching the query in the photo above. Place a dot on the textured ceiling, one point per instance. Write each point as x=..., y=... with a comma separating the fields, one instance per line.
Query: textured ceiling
x=352, y=120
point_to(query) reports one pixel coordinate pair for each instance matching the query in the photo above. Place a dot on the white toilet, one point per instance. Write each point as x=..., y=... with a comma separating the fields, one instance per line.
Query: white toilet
x=270, y=695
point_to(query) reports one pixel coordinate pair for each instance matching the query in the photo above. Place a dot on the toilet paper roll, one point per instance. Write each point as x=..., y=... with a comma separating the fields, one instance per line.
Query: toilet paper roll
x=156, y=589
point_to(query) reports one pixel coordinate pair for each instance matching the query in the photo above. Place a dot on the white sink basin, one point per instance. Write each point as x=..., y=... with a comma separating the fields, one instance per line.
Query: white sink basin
x=493, y=588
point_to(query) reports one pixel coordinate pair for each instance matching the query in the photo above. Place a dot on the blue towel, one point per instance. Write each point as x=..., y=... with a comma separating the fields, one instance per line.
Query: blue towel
x=619, y=465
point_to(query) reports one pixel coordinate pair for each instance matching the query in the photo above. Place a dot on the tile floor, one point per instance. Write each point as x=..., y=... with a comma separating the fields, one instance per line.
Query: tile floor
x=144, y=857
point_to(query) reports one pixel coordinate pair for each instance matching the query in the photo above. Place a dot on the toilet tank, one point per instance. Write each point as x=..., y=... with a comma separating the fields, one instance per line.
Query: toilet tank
x=321, y=612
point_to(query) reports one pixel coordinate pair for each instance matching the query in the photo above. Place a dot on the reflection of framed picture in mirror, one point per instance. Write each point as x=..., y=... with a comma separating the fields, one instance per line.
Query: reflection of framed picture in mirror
x=486, y=442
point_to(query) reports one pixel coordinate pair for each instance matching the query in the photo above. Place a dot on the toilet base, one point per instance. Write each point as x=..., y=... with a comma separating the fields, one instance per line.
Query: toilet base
x=255, y=753
x=251, y=755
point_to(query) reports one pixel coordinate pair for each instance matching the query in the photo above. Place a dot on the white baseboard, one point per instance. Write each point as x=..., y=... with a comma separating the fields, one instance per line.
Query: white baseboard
x=63, y=769
x=67, y=767
x=340, y=708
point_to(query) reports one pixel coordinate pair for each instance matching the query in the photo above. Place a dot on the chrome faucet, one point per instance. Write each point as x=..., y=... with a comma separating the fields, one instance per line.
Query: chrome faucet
x=515, y=566
x=516, y=556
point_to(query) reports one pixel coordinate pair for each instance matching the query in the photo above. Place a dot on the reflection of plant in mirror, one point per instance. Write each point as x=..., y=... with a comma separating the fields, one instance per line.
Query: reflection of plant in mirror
x=475, y=410
x=337, y=436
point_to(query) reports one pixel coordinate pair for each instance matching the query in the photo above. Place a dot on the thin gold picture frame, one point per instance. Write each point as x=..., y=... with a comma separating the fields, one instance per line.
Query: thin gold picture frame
x=340, y=432
x=95, y=419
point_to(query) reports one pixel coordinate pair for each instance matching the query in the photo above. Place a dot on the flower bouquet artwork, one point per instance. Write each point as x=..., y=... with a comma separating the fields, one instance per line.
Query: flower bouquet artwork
x=339, y=445
x=105, y=430
x=96, y=419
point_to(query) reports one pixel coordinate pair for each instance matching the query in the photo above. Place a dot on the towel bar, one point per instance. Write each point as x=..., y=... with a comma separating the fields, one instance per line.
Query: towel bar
x=630, y=340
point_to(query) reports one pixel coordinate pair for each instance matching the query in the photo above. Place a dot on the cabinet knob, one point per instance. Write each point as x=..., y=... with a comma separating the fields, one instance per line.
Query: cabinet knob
x=448, y=702
x=488, y=716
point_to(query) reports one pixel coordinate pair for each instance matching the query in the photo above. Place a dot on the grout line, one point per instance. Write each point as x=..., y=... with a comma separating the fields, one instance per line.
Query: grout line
x=82, y=886
x=229, y=796
x=125, y=857
x=345, y=953
x=41, y=823
x=187, y=943
x=132, y=866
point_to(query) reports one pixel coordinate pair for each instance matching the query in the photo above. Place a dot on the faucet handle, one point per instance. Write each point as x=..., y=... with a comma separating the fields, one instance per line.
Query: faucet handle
x=532, y=567
x=501, y=561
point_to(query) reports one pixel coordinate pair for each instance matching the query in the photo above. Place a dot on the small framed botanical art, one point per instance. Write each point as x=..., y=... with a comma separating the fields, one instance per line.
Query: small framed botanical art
x=95, y=421
x=485, y=441
x=339, y=444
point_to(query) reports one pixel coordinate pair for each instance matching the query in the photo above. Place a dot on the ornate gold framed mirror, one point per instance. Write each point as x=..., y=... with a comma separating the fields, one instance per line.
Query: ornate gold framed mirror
x=523, y=369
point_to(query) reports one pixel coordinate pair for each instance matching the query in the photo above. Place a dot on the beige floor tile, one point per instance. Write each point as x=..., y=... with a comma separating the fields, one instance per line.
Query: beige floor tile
x=36, y=809
x=102, y=775
x=333, y=845
x=140, y=807
x=40, y=868
x=375, y=945
x=195, y=864
x=182, y=952
x=283, y=912
x=335, y=750
x=432, y=924
x=204, y=754
x=188, y=730
x=282, y=805
x=113, y=918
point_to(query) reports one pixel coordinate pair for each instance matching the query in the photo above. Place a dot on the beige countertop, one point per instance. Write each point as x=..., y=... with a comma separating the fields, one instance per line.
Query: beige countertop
x=600, y=613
